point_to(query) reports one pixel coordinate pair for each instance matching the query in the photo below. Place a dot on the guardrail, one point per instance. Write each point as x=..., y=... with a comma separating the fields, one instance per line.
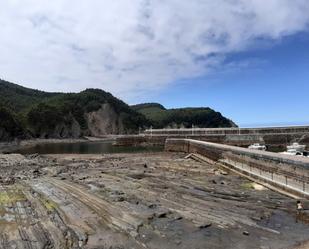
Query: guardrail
x=289, y=173
x=229, y=131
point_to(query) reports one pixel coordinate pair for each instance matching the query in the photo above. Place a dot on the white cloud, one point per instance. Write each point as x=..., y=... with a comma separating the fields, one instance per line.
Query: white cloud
x=130, y=47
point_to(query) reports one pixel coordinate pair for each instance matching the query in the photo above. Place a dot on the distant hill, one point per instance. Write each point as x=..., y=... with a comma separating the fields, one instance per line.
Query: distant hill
x=33, y=113
x=161, y=117
x=18, y=98
x=29, y=113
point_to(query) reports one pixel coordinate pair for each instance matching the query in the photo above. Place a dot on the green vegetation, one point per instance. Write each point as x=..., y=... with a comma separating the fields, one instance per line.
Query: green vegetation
x=248, y=185
x=28, y=113
x=18, y=98
x=182, y=117
x=49, y=204
x=9, y=125
x=11, y=196
x=41, y=114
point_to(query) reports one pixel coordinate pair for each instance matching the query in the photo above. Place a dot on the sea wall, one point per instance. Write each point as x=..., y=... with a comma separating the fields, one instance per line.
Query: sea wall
x=230, y=131
x=273, y=137
x=286, y=172
x=276, y=138
x=134, y=140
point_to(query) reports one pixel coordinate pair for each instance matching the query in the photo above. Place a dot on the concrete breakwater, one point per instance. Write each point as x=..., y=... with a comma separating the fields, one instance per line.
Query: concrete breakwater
x=135, y=140
x=230, y=131
x=273, y=137
x=285, y=172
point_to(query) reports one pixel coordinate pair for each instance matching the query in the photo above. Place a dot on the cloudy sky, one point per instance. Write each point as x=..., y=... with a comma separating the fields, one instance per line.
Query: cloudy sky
x=221, y=53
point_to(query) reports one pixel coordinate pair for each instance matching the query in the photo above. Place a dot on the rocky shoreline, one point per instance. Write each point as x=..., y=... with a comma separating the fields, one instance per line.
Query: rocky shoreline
x=9, y=147
x=149, y=200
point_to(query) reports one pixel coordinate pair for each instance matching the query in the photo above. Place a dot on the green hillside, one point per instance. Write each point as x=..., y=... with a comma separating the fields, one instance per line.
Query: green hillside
x=43, y=114
x=28, y=113
x=18, y=98
x=161, y=117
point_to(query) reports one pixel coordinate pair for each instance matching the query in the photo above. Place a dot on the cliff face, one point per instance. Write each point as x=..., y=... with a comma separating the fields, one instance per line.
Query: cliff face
x=70, y=129
x=104, y=121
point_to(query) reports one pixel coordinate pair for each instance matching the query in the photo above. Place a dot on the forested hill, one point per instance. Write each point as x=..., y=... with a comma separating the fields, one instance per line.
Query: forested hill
x=18, y=98
x=161, y=117
x=26, y=113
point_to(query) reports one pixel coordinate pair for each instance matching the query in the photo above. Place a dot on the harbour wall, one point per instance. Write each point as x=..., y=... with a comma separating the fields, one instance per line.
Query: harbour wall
x=273, y=137
x=230, y=131
x=290, y=174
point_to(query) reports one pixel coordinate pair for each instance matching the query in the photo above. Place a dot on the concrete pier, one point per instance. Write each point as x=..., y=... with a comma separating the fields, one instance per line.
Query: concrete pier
x=273, y=137
x=289, y=173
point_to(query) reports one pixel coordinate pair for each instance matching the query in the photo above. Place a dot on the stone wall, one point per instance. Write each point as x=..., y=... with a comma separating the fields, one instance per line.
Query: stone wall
x=290, y=173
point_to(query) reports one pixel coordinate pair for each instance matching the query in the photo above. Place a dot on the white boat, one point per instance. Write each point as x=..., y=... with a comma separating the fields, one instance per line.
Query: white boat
x=296, y=150
x=257, y=146
x=292, y=152
x=297, y=147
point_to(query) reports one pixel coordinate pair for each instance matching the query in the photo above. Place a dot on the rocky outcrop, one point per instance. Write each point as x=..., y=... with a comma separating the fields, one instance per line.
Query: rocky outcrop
x=73, y=130
x=104, y=121
x=98, y=123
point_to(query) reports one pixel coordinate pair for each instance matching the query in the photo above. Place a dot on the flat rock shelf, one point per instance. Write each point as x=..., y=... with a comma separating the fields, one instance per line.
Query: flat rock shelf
x=150, y=200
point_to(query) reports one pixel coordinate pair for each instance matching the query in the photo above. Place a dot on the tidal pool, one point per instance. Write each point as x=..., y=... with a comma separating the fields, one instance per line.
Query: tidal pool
x=87, y=147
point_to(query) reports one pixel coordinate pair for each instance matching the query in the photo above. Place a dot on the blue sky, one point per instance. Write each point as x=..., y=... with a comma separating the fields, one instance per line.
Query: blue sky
x=246, y=59
x=271, y=89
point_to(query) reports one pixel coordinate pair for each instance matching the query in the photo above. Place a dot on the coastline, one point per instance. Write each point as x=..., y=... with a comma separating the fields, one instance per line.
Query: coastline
x=136, y=195
x=9, y=147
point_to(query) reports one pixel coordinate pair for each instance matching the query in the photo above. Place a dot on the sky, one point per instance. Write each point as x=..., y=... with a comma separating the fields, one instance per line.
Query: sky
x=248, y=59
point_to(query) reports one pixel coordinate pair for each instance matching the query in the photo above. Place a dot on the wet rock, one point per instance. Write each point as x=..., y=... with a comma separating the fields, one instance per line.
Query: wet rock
x=205, y=225
x=137, y=176
x=222, y=172
x=118, y=198
x=36, y=173
x=33, y=156
x=162, y=213
x=152, y=205
x=177, y=242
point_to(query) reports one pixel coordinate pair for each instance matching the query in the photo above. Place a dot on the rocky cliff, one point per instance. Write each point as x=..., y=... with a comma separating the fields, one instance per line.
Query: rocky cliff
x=104, y=121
